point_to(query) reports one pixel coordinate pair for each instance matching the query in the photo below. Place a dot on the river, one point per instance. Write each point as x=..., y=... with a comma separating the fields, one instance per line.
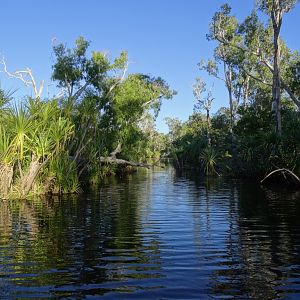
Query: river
x=153, y=235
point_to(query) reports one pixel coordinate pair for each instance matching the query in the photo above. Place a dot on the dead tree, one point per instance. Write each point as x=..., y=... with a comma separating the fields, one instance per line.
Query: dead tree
x=26, y=77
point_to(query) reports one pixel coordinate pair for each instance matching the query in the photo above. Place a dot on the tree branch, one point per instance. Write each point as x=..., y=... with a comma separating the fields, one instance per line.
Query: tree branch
x=267, y=64
x=26, y=77
x=121, y=78
x=256, y=78
x=116, y=151
x=293, y=175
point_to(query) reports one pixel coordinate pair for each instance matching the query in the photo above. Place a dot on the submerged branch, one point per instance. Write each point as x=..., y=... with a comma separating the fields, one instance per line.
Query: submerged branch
x=283, y=172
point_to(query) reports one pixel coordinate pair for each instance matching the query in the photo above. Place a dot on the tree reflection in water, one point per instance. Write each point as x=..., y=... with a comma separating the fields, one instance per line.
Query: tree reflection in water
x=154, y=235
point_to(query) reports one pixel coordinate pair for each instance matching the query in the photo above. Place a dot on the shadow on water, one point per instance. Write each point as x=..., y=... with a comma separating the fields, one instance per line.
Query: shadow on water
x=74, y=245
x=159, y=235
x=259, y=230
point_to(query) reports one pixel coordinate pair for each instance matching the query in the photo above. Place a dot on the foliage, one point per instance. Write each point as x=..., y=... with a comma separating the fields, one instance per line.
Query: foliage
x=208, y=158
x=56, y=145
x=244, y=135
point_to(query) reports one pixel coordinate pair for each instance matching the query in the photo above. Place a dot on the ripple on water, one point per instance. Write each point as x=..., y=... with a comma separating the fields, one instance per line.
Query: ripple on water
x=153, y=235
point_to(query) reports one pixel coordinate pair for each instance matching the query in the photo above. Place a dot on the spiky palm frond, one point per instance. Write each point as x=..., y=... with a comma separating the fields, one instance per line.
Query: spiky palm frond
x=208, y=158
x=6, y=149
x=21, y=126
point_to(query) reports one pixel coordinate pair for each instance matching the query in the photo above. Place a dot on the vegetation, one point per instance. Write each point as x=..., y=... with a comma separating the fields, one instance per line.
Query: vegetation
x=259, y=131
x=56, y=145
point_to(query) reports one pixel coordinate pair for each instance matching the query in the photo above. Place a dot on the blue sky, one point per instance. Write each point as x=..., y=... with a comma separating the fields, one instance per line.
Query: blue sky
x=163, y=37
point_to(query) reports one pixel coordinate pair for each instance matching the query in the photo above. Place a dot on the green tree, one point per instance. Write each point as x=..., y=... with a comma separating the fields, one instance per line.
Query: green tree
x=276, y=9
x=203, y=103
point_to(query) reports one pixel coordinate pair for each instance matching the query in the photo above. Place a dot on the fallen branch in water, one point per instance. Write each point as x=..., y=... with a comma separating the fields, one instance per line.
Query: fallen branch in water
x=283, y=171
x=117, y=161
x=112, y=159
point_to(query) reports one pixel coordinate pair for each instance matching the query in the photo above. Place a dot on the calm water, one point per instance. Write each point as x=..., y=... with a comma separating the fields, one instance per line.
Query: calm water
x=153, y=235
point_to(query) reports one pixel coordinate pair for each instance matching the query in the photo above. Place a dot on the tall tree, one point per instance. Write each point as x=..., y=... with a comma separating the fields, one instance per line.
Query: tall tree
x=226, y=58
x=276, y=9
x=260, y=49
x=105, y=103
x=203, y=102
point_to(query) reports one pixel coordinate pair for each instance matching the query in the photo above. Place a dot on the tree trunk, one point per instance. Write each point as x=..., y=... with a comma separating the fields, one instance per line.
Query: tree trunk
x=228, y=78
x=29, y=178
x=276, y=16
x=208, y=127
x=6, y=176
x=246, y=92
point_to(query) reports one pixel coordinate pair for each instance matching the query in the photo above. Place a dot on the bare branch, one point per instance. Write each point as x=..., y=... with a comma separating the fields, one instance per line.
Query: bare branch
x=26, y=77
x=120, y=80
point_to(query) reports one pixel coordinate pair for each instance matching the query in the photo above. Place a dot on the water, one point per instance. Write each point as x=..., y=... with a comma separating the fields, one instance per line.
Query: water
x=153, y=235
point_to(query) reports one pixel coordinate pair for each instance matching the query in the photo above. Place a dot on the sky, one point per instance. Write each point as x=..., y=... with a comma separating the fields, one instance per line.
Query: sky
x=165, y=38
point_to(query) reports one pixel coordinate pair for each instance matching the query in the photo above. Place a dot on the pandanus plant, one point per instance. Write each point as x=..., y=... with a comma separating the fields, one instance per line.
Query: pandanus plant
x=6, y=150
x=31, y=136
x=6, y=162
x=47, y=140
x=208, y=158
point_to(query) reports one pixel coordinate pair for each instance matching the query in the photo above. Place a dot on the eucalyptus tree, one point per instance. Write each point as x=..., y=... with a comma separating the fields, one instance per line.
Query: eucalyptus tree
x=259, y=48
x=175, y=128
x=87, y=86
x=134, y=99
x=104, y=102
x=226, y=64
x=203, y=103
x=153, y=141
x=276, y=9
x=76, y=73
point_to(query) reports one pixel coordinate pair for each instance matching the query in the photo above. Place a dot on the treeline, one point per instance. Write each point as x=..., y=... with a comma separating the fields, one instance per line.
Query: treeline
x=104, y=113
x=259, y=131
x=57, y=145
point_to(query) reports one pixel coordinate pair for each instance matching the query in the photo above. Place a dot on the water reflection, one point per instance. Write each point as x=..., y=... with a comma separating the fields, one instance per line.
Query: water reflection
x=158, y=235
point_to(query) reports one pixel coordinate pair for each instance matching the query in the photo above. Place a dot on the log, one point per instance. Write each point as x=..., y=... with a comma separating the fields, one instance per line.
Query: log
x=117, y=161
x=283, y=171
